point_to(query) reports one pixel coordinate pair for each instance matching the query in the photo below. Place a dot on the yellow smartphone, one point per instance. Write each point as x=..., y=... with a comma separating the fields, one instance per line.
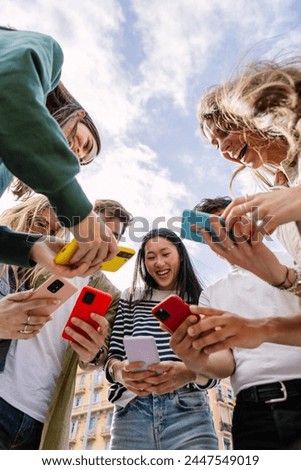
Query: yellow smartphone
x=119, y=260
x=66, y=253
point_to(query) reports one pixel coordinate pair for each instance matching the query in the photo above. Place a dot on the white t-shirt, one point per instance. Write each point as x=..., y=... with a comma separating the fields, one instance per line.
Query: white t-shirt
x=245, y=294
x=33, y=366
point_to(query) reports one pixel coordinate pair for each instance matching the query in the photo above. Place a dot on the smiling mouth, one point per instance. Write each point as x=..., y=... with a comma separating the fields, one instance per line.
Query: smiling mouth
x=242, y=152
x=163, y=273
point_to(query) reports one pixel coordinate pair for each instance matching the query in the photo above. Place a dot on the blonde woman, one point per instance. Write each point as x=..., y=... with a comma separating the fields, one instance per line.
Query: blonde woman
x=254, y=121
x=38, y=369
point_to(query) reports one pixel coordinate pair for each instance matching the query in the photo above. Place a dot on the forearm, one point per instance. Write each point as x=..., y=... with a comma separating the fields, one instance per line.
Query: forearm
x=15, y=247
x=284, y=330
x=217, y=365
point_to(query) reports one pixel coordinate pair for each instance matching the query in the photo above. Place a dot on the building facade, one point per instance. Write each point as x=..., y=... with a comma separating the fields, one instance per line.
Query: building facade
x=92, y=413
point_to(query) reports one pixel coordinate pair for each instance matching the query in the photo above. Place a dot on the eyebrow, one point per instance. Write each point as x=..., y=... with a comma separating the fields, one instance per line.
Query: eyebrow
x=161, y=250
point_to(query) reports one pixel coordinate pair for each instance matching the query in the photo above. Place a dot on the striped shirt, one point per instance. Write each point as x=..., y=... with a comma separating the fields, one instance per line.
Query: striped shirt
x=137, y=320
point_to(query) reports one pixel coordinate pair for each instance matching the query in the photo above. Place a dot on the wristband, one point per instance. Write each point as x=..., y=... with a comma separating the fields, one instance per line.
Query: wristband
x=96, y=359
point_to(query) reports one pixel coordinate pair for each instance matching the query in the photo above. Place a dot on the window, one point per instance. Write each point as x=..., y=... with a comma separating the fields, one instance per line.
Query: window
x=77, y=401
x=82, y=380
x=227, y=443
x=96, y=397
x=92, y=423
x=73, y=429
x=109, y=419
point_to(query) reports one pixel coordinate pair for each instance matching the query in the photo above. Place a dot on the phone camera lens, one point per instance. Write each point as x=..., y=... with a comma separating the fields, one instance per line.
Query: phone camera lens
x=55, y=286
x=162, y=314
x=88, y=298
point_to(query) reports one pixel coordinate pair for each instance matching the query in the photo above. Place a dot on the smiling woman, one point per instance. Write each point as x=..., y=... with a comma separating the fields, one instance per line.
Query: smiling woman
x=166, y=392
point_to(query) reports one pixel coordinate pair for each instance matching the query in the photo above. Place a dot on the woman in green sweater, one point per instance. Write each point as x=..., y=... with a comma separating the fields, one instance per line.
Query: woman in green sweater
x=33, y=148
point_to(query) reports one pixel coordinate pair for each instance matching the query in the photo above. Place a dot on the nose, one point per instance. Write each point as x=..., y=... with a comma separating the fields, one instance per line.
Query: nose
x=159, y=261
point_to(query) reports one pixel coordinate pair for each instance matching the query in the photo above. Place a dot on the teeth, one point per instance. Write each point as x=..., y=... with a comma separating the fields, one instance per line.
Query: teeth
x=240, y=152
x=161, y=273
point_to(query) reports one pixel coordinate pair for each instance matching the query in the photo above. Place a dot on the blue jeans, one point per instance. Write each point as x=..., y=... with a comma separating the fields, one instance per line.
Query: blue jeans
x=18, y=431
x=177, y=420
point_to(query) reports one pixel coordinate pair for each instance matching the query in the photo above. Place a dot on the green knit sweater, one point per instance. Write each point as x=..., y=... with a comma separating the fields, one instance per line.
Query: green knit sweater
x=32, y=145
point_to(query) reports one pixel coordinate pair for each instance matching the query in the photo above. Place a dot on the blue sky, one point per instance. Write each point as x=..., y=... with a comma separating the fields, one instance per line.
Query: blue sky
x=139, y=67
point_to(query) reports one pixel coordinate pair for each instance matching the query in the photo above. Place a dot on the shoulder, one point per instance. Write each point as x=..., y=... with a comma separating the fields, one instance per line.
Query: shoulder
x=101, y=282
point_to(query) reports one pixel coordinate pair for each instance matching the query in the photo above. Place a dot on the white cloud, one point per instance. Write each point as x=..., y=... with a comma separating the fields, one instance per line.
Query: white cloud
x=138, y=67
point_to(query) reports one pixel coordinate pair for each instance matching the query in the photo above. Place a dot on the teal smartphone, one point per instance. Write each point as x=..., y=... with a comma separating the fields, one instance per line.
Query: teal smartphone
x=192, y=221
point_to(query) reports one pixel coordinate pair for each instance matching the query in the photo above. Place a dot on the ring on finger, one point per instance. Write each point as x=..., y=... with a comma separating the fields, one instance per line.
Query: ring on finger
x=231, y=247
x=25, y=331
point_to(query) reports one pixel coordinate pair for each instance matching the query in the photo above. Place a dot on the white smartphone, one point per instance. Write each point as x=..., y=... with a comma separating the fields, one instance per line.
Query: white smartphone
x=141, y=348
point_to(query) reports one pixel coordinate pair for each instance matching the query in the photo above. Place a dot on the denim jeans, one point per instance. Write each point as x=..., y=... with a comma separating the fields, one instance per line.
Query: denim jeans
x=18, y=431
x=177, y=420
x=260, y=426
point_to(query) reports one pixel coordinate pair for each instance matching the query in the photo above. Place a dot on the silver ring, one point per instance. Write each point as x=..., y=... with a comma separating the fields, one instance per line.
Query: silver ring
x=231, y=247
x=25, y=332
x=28, y=320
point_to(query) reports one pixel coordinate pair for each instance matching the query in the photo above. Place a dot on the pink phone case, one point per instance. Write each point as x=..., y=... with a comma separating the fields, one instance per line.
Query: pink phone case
x=172, y=311
x=55, y=287
x=141, y=348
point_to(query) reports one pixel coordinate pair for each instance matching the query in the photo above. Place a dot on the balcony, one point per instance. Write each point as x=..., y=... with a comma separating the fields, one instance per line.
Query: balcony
x=105, y=431
x=225, y=426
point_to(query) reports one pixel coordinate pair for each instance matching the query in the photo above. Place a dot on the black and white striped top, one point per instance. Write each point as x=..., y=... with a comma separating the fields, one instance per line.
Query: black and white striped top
x=137, y=320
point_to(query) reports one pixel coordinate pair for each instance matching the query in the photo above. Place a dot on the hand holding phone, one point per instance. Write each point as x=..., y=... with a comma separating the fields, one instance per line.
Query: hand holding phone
x=141, y=348
x=193, y=221
x=119, y=260
x=172, y=311
x=89, y=300
x=58, y=288
x=66, y=253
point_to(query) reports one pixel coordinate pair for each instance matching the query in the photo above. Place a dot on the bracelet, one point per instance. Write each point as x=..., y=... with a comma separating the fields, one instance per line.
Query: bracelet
x=297, y=282
x=96, y=359
x=293, y=286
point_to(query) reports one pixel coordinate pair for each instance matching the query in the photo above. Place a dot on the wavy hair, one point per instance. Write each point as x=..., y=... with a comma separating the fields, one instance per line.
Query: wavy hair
x=265, y=98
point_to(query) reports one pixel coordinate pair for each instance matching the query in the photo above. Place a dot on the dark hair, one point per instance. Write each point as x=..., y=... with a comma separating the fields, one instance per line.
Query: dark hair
x=113, y=210
x=188, y=286
x=61, y=105
x=213, y=205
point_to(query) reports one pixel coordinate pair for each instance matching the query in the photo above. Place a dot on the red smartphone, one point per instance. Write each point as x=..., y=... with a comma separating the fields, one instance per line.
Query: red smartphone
x=172, y=311
x=89, y=300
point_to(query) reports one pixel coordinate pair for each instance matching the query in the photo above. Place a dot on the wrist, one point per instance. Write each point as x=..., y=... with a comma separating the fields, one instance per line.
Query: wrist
x=97, y=360
x=112, y=369
x=201, y=380
x=291, y=281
